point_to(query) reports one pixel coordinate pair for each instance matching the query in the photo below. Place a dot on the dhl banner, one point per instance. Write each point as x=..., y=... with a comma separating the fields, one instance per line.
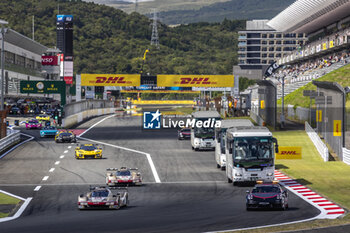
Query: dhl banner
x=110, y=79
x=324, y=46
x=289, y=152
x=319, y=115
x=331, y=44
x=262, y=104
x=337, y=128
x=195, y=80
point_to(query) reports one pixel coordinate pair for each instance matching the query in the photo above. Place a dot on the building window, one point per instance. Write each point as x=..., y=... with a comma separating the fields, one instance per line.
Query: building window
x=278, y=49
x=278, y=42
x=264, y=55
x=263, y=35
x=271, y=42
x=278, y=35
x=9, y=57
x=271, y=55
x=271, y=35
x=264, y=42
x=264, y=61
x=264, y=49
x=271, y=49
x=20, y=61
x=278, y=55
x=300, y=35
x=271, y=61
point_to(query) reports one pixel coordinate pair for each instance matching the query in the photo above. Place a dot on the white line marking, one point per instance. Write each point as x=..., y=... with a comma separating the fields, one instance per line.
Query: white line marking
x=69, y=147
x=7, y=152
x=12, y=195
x=96, y=124
x=52, y=169
x=46, y=177
x=37, y=188
x=66, y=151
x=149, y=158
x=62, y=156
x=19, y=212
x=57, y=162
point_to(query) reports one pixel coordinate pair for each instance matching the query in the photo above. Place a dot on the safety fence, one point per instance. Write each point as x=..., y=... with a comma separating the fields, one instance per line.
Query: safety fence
x=346, y=156
x=316, y=140
x=13, y=138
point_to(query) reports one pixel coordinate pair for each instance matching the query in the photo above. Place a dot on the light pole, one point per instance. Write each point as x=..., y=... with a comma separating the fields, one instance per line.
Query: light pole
x=3, y=31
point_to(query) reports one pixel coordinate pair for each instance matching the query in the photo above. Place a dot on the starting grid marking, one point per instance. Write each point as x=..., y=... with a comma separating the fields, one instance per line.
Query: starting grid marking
x=329, y=210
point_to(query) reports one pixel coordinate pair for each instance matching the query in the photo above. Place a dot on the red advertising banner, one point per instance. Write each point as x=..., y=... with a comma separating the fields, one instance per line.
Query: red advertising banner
x=49, y=60
x=68, y=80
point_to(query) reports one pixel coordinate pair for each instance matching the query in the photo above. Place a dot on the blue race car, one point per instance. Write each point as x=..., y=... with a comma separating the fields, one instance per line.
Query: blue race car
x=48, y=131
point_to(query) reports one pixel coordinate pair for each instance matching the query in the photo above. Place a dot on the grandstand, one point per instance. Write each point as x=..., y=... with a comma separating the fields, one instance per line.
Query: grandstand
x=327, y=25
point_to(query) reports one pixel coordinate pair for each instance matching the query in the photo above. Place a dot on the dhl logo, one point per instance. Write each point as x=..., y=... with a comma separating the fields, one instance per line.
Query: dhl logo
x=204, y=81
x=111, y=80
x=288, y=152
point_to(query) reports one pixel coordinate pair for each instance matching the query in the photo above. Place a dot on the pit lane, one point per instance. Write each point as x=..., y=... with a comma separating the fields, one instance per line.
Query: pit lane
x=193, y=195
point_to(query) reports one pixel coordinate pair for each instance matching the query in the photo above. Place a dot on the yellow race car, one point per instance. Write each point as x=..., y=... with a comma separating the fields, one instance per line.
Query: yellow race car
x=43, y=117
x=88, y=151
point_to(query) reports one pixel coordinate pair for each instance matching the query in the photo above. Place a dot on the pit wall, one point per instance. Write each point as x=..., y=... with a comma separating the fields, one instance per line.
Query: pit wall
x=74, y=119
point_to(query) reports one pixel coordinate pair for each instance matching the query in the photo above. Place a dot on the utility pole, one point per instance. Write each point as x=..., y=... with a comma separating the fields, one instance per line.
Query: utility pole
x=155, y=36
x=33, y=27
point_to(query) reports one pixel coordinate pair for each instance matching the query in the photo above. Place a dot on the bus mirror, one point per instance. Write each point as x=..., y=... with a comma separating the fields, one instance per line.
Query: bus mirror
x=276, y=148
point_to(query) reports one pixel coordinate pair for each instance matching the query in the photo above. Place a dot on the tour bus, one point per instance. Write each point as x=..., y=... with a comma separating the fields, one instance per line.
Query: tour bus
x=220, y=135
x=203, y=129
x=250, y=154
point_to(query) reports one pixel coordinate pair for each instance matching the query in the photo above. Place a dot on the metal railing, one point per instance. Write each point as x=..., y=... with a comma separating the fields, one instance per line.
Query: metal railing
x=10, y=140
x=77, y=107
x=316, y=140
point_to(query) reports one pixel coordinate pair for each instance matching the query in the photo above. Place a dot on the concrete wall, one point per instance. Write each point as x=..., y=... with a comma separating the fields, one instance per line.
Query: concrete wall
x=74, y=119
x=81, y=106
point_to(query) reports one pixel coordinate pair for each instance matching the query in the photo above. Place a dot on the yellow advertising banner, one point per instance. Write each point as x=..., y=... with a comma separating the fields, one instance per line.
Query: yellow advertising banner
x=289, y=152
x=331, y=44
x=324, y=46
x=319, y=115
x=337, y=128
x=195, y=80
x=110, y=79
x=262, y=104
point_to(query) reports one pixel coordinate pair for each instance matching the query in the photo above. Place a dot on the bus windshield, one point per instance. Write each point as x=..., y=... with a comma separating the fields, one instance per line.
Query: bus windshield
x=252, y=148
x=204, y=132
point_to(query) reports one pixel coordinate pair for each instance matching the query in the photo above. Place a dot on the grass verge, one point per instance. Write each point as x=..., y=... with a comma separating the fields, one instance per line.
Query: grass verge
x=7, y=200
x=330, y=179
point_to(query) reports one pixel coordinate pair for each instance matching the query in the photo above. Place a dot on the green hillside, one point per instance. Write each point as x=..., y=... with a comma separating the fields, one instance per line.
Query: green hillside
x=233, y=9
x=108, y=40
x=296, y=98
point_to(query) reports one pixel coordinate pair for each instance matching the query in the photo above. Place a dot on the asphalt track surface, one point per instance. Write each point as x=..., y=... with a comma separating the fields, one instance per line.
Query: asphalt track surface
x=193, y=195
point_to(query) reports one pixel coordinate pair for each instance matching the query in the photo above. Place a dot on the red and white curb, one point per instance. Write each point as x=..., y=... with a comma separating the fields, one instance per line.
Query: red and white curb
x=329, y=210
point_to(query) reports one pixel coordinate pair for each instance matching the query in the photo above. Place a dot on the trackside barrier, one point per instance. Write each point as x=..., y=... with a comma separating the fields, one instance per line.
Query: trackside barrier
x=150, y=102
x=10, y=140
x=74, y=119
x=316, y=140
x=346, y=156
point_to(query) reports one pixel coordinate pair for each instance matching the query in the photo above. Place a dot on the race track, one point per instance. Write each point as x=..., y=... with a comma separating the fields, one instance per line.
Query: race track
x=191, y=195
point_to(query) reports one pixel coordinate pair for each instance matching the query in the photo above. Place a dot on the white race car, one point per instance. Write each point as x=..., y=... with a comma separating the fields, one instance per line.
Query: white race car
x=102, y=197
x=128, y=176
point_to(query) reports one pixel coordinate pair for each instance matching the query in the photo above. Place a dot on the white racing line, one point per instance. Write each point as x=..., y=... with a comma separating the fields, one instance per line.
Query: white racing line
x=21, y=209
x=148, y=156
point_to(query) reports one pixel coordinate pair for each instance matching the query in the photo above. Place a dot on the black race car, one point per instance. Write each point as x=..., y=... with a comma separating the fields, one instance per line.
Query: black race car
x=184, y=133
x=267, y=195
x=65, y=136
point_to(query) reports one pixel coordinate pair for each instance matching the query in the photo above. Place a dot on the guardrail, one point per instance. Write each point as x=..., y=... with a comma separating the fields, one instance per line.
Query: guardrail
x=316, y=140
x=10, y=140
x=77, y=107
x=346, y=156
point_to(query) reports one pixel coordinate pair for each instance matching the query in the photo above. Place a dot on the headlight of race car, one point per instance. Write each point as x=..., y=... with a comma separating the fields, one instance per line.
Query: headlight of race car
x=250, y=197
x=238, y=174
x=72, y=136
x=279, y=196
x=197, y=141
x=81, y=155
